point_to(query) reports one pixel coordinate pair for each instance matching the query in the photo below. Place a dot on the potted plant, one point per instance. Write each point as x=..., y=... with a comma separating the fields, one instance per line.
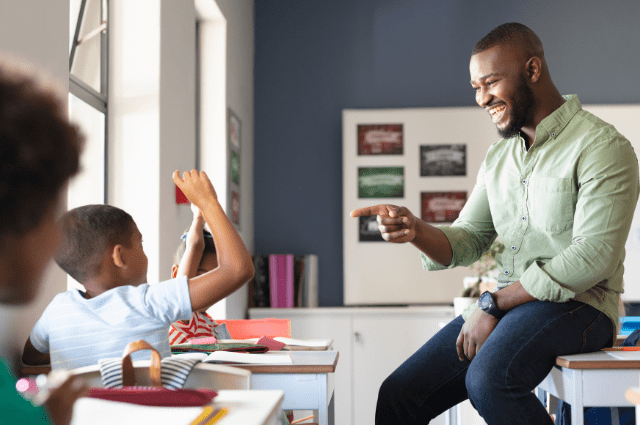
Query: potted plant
x=484, y=277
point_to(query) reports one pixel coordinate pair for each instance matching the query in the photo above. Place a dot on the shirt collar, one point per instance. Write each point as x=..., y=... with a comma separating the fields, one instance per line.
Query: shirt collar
x=552, y=125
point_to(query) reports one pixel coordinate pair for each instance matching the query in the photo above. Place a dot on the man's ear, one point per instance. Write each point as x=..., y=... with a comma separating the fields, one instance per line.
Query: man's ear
x=174, y=271
x=118, y=257
x=534, y=69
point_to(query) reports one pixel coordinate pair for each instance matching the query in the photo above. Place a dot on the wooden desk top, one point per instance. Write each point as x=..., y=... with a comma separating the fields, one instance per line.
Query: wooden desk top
x=601, y=360
x=303, y=362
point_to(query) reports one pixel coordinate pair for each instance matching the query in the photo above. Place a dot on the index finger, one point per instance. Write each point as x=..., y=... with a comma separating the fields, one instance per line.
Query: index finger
x=176, y=177
x=375, y=210
x=459, y=346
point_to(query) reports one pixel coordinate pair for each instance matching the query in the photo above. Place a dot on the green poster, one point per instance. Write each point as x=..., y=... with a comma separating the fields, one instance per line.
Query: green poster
x=235, y=167
x=381, y=182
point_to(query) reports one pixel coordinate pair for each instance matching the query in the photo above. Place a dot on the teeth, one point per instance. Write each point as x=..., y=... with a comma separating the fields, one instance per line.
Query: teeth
x=496, y=110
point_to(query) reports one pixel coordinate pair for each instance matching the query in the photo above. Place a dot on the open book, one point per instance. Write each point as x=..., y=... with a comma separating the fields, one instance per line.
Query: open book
x=308, y=343
x=233, y=357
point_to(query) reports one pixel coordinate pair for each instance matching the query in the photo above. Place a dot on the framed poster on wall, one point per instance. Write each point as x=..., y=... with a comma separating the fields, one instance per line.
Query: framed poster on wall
x=234, y=167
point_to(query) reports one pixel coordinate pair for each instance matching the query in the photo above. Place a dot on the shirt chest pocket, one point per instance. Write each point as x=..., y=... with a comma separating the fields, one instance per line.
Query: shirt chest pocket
x=550, y=203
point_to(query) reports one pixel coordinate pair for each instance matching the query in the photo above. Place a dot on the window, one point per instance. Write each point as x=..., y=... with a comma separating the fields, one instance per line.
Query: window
x=88, y=106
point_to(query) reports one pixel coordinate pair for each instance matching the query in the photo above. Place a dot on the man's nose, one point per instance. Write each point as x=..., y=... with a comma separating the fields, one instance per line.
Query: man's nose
x=483, y=96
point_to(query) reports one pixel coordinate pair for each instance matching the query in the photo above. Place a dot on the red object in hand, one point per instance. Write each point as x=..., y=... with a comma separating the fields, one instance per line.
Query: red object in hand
x=180, y=197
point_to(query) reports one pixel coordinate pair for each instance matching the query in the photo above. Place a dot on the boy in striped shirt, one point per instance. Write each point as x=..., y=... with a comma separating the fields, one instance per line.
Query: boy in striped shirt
x=102, y=249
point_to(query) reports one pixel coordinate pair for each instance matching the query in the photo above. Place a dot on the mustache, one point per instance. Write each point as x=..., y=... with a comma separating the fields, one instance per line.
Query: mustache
x=494, y=103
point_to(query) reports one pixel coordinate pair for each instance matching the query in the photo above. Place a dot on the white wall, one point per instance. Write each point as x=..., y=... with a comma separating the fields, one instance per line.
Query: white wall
x=238, y=15
x=152, y=126
x=37, y=32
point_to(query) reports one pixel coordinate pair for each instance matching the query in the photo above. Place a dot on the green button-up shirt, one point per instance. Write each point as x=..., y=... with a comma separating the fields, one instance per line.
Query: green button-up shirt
x=563, y=209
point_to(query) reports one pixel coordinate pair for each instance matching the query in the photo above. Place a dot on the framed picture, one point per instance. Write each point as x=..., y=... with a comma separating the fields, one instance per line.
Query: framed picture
x=368, y=229
x=235, y=207
x=234, y=130
x=443, y=160
x=442, y=207
x=380, y=182
x=380, y=139
x=234, y=167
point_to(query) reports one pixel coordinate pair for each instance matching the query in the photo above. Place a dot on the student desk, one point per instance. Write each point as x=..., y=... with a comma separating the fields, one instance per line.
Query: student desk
x=246, y=407
x=592, y=380
x=308, y=383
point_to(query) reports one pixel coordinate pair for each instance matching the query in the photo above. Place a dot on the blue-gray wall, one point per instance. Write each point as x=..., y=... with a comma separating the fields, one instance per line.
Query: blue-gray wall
x=314, y=58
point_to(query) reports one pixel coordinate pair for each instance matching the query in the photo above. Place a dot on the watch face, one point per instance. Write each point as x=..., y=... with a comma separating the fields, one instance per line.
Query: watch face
x=485, y=300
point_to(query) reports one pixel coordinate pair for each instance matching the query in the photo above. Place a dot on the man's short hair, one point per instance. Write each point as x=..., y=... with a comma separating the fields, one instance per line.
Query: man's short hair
x=88, y=232
x=513, y=33
x=39, y=150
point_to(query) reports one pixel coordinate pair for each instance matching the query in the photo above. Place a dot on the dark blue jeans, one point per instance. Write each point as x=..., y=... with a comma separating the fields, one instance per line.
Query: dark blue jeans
x=516, y=357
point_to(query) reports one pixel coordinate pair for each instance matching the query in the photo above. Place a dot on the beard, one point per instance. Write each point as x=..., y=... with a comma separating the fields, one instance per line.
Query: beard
x=518, y=115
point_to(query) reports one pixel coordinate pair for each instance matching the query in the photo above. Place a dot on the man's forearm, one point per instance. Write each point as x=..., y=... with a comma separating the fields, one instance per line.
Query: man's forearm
x=433, y=242
x=512, y=296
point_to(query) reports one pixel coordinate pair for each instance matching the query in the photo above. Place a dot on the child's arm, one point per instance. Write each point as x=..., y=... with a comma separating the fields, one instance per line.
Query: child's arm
x=31, y=356
x=194, y=246
x=235, y=267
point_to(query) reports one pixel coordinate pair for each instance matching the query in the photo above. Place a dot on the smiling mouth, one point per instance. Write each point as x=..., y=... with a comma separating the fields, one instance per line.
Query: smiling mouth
x=497, y=111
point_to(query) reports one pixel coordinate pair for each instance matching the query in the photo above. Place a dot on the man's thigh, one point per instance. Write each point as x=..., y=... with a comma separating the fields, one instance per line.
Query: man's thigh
x=527, y=340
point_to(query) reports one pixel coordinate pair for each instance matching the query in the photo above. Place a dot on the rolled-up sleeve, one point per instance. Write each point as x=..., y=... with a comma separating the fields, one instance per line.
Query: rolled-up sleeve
x=471, y=233
x=607, y=195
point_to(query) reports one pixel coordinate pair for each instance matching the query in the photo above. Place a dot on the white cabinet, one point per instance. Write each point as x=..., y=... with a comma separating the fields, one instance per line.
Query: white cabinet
x=366, y=358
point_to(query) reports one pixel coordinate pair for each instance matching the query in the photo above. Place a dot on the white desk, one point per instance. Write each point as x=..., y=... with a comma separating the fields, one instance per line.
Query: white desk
x=308, y=383
x=246, y=407
x=592, y=380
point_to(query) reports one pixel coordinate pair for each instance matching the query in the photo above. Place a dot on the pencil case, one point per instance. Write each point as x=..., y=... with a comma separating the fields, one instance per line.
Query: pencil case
x=154, y=396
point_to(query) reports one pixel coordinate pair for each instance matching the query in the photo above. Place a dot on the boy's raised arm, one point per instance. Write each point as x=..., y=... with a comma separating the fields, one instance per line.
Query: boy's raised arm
x=235, y=267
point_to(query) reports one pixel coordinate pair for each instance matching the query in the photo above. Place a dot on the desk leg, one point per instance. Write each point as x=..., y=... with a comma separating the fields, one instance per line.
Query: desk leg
x=577, y=406
x=323, y=398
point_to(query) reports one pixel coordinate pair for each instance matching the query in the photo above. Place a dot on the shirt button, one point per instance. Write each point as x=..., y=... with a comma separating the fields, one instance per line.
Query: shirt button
x=553, y=134
x=524, y=218
x=513, y=248
x=506, y=272
x=524, y=182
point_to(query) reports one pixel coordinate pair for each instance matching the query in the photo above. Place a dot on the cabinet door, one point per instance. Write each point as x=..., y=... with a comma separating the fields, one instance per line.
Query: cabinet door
x=324, y=326
x=373, y=360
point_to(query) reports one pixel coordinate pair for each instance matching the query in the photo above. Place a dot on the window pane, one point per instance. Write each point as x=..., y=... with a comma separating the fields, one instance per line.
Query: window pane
x=87, y=187
x=86, y=62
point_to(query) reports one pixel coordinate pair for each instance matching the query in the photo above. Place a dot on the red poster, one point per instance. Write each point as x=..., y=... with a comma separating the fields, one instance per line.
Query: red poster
x=442, y=207
x=380, y=139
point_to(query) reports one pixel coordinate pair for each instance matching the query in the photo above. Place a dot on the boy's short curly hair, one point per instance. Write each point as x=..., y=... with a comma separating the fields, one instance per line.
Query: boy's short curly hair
x=88, y=232
x=39, y=150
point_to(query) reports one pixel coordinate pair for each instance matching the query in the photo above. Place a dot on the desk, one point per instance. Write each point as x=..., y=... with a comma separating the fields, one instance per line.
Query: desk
x=246, y=407
x=308, y=383
x=591, y=380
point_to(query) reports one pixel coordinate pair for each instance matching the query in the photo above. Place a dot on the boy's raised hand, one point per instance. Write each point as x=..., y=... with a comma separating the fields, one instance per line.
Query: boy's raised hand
x=196, y=186
x=396, y=224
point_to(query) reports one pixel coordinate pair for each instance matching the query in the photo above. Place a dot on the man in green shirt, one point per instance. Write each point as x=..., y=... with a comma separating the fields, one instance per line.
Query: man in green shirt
x=560, y=190
x=39, y=152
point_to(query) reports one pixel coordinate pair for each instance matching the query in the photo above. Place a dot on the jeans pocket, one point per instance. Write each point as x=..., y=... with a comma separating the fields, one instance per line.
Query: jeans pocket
x=597, y=335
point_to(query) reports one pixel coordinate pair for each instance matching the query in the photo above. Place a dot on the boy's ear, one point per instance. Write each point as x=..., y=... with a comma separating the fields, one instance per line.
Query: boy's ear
x=117, y=257
x=174, y=271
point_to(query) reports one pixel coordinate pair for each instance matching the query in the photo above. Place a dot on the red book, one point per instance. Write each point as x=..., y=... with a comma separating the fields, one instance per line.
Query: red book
x=281, y=280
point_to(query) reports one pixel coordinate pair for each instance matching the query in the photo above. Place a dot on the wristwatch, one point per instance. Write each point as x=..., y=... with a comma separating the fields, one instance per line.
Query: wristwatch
x=488, y=305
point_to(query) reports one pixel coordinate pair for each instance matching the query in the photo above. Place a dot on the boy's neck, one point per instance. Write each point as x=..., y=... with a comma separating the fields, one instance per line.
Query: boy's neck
x=101, y=284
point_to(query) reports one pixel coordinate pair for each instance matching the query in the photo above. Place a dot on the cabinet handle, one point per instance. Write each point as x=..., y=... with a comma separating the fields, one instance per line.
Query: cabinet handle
x=356, y=335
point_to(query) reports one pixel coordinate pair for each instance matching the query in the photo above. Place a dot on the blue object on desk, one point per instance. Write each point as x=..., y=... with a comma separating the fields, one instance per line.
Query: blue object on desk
x=629, y=324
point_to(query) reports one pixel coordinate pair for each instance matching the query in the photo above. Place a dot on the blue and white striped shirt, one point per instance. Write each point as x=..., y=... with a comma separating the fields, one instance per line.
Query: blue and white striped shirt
x=78, y=332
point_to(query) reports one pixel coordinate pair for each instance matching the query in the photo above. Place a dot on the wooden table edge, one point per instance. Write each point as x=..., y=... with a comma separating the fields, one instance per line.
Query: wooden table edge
x=598, y=364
